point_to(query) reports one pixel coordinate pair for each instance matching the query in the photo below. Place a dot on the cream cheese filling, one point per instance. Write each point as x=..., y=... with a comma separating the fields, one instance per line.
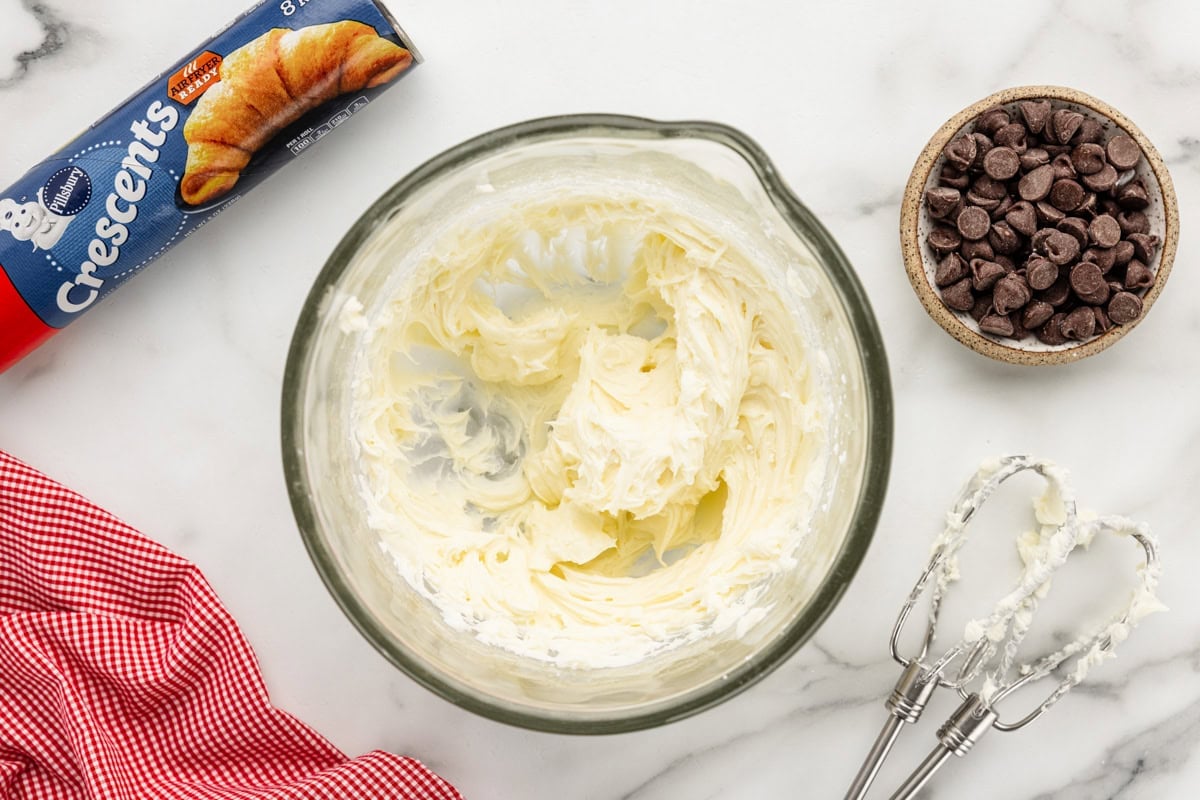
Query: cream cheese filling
x=588, y=430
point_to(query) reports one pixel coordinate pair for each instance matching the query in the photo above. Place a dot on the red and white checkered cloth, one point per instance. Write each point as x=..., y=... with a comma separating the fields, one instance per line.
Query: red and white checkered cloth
x=122, y=677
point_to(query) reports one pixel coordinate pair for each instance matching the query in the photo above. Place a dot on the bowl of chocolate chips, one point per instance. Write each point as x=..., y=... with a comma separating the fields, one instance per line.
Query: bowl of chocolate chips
x=1039, y=226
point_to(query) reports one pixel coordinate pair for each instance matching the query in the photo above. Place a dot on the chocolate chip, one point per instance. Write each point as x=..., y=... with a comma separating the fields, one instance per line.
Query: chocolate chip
x=1116, y=287
x=1035, y=185
x=1066, y=195
x=1005, y=262
x=983, y=146
x=1035, y=113
x=943, y=239
x=984, y=274
x=991, y=121
x=1080, y=324
x=1103, y=323
x=1013, y=136
x=941, y=200
x=999, y=211
x=1004, y=239
x=1133, y=195
x=1133, y=222
x=973, y=223
x=954, y=178
x=1087, y=206
x=996, y=325
x=952, y=216
x=961, y=152
x=958, y=296
x=1061, y=248
x=982, y=307
x=1064, y=123
x=1022, y=218
x=1101, y=257
x=1041, y=274
x=951, y=269
x=1037, y=242
x=1138, y=276
x=987, y=186
x=1104, y=231
x=1076, y=227
x=988, y=204
x=1058, y=292
x=1145, y=246
x=1086, y=278
x=979, y=248
x=1033, y=158
x=1019, y=329
x=1051, y=332
x=1036, y=313
x=1122, y=253
x=1088, y=158
x=1124, y=308
x=1010, y=293
x=1001, y=163
x=1048, y=214
x=1101, y=181
x=1063, y=168
x=1090, y=131
x=1123, y=152
x=1099, y=297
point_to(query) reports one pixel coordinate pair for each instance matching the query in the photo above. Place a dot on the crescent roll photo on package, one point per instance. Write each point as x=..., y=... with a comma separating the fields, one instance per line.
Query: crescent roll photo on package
x=183, y=148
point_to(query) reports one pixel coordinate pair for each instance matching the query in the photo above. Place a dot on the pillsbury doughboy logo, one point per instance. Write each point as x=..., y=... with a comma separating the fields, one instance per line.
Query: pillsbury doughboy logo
x=35, y=222
x=67, y=192
x=42, y=223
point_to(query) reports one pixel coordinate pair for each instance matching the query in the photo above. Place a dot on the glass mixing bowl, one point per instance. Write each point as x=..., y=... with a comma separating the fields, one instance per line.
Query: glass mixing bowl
x=709, y=164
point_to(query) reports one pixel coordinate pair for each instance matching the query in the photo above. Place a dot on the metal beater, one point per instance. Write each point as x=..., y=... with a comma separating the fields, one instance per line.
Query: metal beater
x=989, y=646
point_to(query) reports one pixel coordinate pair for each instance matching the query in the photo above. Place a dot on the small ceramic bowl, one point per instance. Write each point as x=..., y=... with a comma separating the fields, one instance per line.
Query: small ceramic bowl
x=916, y=223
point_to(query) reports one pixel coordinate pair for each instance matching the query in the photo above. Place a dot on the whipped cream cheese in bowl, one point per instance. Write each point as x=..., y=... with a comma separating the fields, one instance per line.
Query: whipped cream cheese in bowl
x=587, y=422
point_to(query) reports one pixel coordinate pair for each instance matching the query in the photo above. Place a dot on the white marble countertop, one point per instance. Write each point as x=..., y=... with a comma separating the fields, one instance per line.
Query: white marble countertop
x=163, y=405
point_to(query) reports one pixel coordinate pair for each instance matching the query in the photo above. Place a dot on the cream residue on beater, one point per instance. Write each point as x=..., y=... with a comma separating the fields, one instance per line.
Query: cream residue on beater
x=1061, y=530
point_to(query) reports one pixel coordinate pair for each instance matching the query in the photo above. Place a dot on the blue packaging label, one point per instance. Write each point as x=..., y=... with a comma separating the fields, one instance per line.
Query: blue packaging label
x=188, y=145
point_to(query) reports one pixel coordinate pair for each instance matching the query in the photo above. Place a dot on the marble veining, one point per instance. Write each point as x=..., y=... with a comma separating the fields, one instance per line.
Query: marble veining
x=56, y=33
x=1186, y=154
x=1149, y=756
x=163, y=404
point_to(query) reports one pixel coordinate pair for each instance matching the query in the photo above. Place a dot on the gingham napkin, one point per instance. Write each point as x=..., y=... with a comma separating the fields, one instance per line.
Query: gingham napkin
x=122, y=677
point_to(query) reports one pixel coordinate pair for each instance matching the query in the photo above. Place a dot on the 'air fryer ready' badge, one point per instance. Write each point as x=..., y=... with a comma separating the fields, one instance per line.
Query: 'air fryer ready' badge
x=195, y=78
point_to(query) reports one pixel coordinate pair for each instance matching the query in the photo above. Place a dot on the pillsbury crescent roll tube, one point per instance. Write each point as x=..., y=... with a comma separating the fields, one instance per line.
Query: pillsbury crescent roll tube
x=182, y=149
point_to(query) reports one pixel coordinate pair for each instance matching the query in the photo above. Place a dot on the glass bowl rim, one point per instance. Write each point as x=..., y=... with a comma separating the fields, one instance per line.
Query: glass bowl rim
x=876, y=383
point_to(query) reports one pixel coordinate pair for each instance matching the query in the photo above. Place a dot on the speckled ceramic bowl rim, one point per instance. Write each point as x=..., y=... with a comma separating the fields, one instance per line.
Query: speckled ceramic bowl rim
x=877, y=401
x=912, y=207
